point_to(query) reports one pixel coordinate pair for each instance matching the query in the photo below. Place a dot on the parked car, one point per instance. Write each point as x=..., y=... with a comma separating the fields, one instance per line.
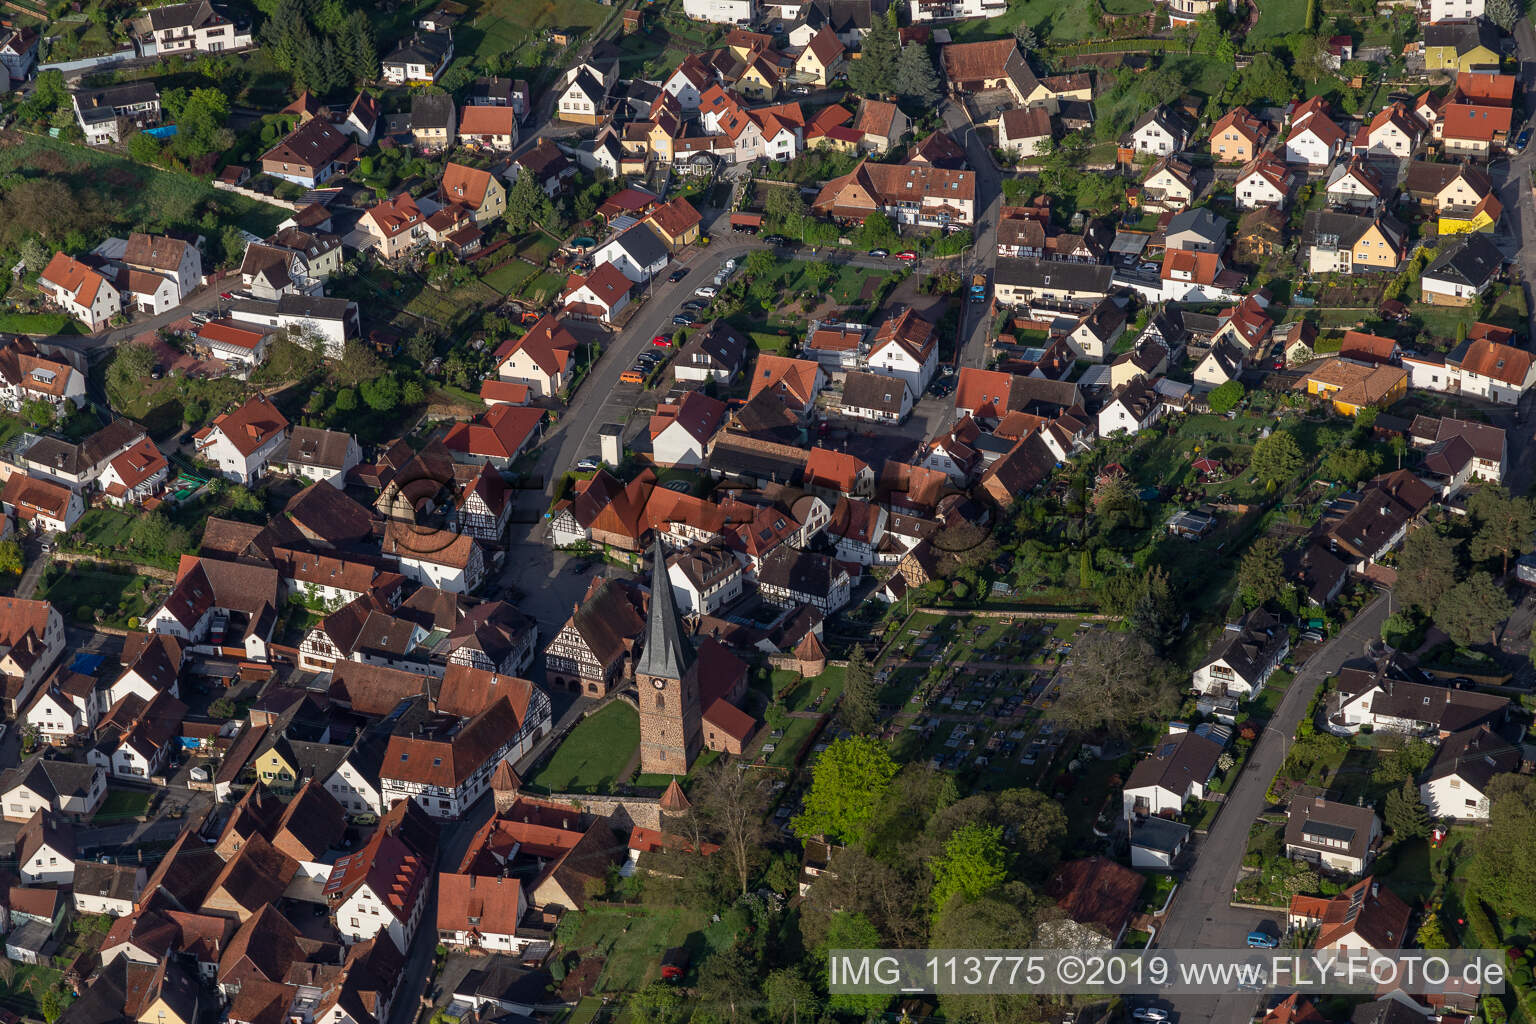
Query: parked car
x=1262, y=940
x=685, y=320
x=707, y=291
x=587, y=465
x=678, y=274
x=662, y=341
x=1149, y=1013
x=776, y=240
x=632, y=376
x=879, y=254
x=906, y=255
x=1523, y=139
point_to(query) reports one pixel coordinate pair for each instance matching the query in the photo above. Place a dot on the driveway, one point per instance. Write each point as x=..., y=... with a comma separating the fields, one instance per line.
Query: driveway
x=976, y=317
x=1202, y=915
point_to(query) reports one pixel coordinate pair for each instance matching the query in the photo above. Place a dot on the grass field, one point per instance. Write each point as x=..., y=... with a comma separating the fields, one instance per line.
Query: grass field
x=136, y=193
x=510, y=276
x=1052, y=20
x=120, y=805
x=786, y=747
x=1280, y=18
x=504, y=26
x=543, y=288
x=38, y=323
x=633, y=939
x=592, y=757
x=80, y=593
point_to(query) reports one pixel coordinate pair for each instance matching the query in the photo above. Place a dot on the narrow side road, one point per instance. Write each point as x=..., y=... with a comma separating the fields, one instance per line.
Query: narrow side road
x=1202, y=915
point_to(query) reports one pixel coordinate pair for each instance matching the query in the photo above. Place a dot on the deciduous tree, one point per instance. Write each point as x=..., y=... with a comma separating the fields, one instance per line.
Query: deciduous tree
x=1224, y=397
x=732, y=802
x=1116, y=683
x=1503, y=868
x=974, y=862
x=848, y=785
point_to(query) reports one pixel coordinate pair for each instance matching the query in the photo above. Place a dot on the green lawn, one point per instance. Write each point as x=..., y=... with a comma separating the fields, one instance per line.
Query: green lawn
x=134, y=193
x=503, y=26
x=1280, y=18
x=829, y=682
x=38, y=323
x=30, y=983
x=543, y=288
x=120, y=805
x=80, y=593
x=510, y=276
x=632, y=940
x=592, y=757
x=1053, y=20
x=787, y=747
x=105, y=526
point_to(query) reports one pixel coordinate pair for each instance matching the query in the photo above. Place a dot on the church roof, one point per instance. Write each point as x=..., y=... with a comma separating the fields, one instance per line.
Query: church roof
x=667, y=653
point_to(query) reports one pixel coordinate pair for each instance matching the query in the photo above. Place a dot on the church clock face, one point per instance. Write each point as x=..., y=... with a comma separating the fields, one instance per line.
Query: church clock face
x=660, y=684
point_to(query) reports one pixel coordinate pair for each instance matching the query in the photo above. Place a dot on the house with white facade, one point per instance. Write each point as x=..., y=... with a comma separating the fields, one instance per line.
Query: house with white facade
x=639, y=253
x=45, y=850
x=1244, y=658
x=721, y=12
x=316, y=454
x=83, y=293
x=704, y=578
x=1456, y=784
x=905, y=346
x=1176, y=772
x=54, y=785
x=243, y=443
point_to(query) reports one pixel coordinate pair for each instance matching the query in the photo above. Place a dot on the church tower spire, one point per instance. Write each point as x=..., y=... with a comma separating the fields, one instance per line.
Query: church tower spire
x=667, y=678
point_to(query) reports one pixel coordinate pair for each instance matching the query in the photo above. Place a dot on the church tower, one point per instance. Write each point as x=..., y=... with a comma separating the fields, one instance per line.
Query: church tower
x=667, y=677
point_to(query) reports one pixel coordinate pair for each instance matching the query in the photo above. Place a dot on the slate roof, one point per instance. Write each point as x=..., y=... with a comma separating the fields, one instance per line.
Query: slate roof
x=1472, y=261
x=668, y=653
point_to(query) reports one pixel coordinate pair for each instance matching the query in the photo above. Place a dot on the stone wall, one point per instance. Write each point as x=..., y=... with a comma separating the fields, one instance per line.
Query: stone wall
x=624, y=811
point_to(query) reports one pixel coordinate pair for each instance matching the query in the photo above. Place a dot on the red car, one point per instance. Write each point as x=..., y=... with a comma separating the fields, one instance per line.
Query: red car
x=226, y=295
x=907, y=255
x=661, y=341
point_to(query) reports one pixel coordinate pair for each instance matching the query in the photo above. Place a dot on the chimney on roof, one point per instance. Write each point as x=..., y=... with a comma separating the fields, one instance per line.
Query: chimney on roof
x=1318, y=801
x=1375, y=889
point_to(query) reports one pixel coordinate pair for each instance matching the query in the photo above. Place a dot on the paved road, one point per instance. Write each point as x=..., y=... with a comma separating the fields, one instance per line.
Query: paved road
x=976, y=317
x=1201, y=916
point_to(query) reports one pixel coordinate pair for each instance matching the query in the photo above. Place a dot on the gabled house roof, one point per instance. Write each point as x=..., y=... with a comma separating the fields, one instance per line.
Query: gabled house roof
x=1472, y=260
x=314, y=143
x=248, y=427
x=1176, y=762
x=1250, y=646
x=547, y=343
x=1241, y=120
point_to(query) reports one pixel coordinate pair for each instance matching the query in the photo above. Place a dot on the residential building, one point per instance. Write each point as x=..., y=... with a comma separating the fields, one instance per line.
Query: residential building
x=489, y=127
x=1463, y=270
x=542, y=358
x=1024, y=132
x=243, y=443
x=1315, y=139
x=721, y=12
x=1264, y=181
x=1177, y=771
x=480, y=191
x=680, y=431
x=1479, y=367
x=1346, y=243
x=1380, y=698
x=434, y=122
x=1131, y=407
x=80, y=291
x=1161, y=131
x=600, y=295
x=1461, y=45
x=1022, y=281
x=310, y=154
x=1238, y=136
x=317, y=454
x=110, y=113
x=880, y=125
x=715, y=351
x=44, y=784
x=910, y=194
x=418, y=60
x=875, y=397
x=1457, y=782
x=41, y=504
x=1364, y=918
x=905, y=346
x=1395, y=132
x=444, y=773
x=1244, y=658
x=639, y=253
x=195, y=27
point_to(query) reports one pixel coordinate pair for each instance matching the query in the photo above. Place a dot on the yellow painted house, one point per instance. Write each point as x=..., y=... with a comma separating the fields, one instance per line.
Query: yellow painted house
x=1352, y=386
x=1461, y=45
x=1461, y=220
